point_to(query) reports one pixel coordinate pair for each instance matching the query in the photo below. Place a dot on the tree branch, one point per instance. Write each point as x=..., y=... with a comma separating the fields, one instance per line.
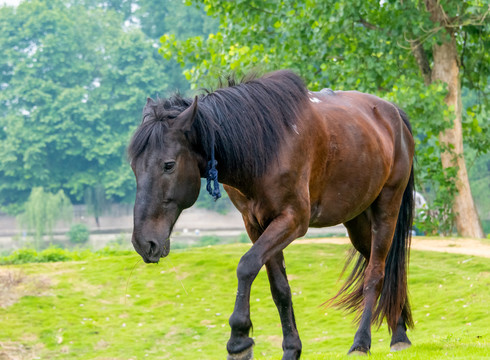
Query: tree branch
x=436, y=11
x=261, y=10
x=368, y=24
x=422, y=60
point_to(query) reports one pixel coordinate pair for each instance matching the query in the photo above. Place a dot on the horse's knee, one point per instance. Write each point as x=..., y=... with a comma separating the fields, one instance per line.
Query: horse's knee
x=248, y=268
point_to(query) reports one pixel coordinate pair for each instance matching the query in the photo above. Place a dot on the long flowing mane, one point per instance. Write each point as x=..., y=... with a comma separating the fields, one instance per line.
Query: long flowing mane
x=245, y=121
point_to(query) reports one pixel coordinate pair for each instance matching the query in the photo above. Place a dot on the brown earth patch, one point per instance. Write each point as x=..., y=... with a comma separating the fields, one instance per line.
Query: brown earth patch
x=14, y=284
x=472, y=247
x=16, y=351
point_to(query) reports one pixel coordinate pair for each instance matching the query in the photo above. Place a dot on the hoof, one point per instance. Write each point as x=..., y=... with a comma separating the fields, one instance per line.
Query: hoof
x=400, y=346
x=357, y=353
x=247, y=354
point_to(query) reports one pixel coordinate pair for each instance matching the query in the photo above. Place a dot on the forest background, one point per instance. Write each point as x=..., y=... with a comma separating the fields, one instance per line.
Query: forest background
x=74, y=76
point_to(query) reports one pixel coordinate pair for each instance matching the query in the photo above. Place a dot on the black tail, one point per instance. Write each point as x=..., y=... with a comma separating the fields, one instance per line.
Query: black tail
x=393, y=300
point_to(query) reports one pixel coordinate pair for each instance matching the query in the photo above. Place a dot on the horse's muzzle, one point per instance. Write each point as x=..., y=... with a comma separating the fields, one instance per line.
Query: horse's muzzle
x=152, y=251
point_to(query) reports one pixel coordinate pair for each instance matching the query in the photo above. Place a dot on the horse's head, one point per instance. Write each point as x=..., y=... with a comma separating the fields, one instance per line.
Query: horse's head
x=167, y=177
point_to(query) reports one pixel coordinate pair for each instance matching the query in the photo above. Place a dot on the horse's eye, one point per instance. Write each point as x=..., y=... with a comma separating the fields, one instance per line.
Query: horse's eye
x=168, y=166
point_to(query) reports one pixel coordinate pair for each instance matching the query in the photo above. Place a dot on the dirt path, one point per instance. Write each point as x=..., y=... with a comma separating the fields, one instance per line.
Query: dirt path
x=473, y=247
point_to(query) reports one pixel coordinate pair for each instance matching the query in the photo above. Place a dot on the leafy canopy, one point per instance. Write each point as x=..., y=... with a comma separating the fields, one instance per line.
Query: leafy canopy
x=73, y=83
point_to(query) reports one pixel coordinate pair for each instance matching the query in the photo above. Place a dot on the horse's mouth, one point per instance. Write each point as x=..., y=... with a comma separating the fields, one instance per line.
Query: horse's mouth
x=155, y=251
x=166, y=248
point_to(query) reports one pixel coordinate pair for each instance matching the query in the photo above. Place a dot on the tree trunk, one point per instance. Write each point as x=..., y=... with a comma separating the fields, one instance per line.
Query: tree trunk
x=446, y=69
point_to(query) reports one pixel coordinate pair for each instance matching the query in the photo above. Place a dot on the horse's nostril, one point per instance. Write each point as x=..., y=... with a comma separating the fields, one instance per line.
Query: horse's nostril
x=153, y=248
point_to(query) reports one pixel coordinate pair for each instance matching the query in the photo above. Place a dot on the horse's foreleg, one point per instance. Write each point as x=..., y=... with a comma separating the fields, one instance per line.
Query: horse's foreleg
x=280, y=233
x=281, y=293
x=240, y=344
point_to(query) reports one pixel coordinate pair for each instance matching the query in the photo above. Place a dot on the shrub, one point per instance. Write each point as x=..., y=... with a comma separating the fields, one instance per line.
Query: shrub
x=53, y=255
x=78, y=234
x=209, y=240
x=21, y=256
x=24, y=256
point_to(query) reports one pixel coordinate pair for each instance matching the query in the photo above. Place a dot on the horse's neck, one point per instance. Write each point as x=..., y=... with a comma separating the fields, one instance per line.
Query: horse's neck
x=227, y=173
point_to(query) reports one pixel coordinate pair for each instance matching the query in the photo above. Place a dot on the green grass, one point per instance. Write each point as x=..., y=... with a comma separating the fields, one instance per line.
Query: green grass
x=102, y=308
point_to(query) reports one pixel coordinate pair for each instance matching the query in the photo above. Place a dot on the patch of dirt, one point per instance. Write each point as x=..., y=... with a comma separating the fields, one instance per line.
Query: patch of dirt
x=472, y=247
x=101, y=345
x=16, y=351
x=276, y=340
x=15, y=284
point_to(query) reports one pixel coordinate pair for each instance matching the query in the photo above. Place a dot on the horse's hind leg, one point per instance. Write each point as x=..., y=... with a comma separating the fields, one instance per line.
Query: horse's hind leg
x=383, y=216
x=359, y=230
x=399, y=338
x=281, y=294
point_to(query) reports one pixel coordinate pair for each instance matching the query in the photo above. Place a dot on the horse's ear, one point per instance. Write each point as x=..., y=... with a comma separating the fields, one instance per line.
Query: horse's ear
x=148, y=109
x=186, y=118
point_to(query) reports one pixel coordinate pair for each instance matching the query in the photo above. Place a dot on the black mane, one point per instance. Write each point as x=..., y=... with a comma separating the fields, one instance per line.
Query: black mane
x=246, y=122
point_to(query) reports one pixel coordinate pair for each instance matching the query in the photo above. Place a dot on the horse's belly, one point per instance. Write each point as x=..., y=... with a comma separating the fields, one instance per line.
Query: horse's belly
x=339, y=204
x=324, y=217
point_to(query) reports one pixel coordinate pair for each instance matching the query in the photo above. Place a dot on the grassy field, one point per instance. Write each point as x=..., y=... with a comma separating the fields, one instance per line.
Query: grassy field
x=117, y=307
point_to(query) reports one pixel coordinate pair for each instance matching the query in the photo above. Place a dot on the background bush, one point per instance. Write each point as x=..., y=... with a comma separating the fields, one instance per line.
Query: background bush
x=78, y=234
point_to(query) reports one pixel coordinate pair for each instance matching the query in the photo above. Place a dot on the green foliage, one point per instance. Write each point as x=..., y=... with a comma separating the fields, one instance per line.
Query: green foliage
x=159, y=17
x=42, y=211
x=24, y=256
x=479, y=180
x=112, y=251
x=78, y=234
x=208, y=240
x=118, y=305
x=53, y=254
x=74, y=76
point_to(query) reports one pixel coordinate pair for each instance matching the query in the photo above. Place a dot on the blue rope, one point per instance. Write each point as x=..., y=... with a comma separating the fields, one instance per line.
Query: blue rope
x=212, y=178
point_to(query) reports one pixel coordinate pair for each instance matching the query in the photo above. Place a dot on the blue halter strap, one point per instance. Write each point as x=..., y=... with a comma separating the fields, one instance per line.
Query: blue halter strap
x=212, y=178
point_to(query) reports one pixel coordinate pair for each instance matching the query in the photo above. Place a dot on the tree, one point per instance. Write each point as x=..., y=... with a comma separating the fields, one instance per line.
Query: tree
x=417, y=54
x=157, y=18
x=42, y=211
x=72, y=82
x=73, y=78
x=453, y=21
x=96, y=202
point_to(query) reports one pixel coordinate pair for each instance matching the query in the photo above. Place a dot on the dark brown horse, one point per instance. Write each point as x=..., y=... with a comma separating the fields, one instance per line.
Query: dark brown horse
x=289, y=159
